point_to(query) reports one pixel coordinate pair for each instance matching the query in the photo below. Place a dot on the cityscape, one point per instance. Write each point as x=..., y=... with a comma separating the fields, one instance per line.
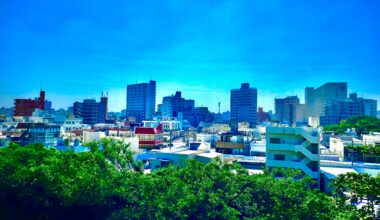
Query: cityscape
x=189, y=111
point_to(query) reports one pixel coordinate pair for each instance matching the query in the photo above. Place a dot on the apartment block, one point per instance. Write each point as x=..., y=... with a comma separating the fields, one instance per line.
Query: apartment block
x=296, y=148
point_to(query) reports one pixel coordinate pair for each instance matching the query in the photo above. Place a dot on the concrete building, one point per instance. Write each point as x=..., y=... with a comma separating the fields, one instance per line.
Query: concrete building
x=372, y=139
x=150, y=138
x=89, y=136
x=233, y=143
x=120, y=132
x=338, y=144
x=207, y=138
x=244, y=104
x=47, y=106
x=74, y=124
x=172, y=105
x=368, y=106
x=261, y=115
x=342, y=109
x=296, y=148
x=25, y=107
x=197, y=115
x=316, y=99
x=189, y=104
x=339, y=110
x=90, y=111
x=141, y=101
x=178, y=156
x=167, y=125
x=285, y=109
x=31, y=133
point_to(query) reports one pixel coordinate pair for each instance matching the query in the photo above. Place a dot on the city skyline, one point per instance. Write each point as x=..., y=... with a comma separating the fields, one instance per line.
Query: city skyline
x=212, y=108
x=74, y=51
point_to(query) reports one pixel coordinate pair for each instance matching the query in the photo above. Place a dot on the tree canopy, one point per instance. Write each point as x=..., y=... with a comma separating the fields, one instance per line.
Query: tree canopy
x=362, y=125
x=105, y=183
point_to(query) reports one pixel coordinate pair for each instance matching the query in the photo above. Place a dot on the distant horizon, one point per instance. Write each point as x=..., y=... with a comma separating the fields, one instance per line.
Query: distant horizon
x=76, y=49
x=97, y=98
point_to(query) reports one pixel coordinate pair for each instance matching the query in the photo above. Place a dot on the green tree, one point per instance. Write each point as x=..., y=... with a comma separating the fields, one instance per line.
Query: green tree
x=105, y=183
x=359, y=188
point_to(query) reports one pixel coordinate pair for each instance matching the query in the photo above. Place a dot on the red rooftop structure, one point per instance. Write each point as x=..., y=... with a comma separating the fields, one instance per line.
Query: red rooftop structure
x=150, y=138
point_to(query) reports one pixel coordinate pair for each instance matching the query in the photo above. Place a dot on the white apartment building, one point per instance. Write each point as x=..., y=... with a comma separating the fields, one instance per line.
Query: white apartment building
x=372, y=139
x=338, y=143
x=71, y=124
x=167, y=125
x=296, y=148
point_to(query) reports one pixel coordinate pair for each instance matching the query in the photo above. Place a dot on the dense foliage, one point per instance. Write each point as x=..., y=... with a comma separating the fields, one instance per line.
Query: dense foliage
x=41, y=183
x=362, y=189
x=362, y=125
x=364, y=150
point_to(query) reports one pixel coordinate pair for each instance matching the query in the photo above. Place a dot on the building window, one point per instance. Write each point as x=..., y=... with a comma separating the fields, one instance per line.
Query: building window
x=275, y=140
x=279, y=157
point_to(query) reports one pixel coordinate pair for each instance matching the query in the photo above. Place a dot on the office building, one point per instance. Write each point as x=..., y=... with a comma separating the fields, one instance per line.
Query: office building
x=197, y=115
x=368, y=107
x=31, y=133
x=172, y=105
x=342, y=109
x=244, y=104
x=285, y=109
x=189, y=104
x=339, y=110
x=317, y=99
x=90, y=111
x=25, y=107
x=296, y=148
x=167, y=125
x=233, y=143
x=141, y=101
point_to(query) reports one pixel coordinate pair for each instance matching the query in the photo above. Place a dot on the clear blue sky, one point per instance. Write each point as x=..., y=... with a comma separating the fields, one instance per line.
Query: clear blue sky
x=203, y=48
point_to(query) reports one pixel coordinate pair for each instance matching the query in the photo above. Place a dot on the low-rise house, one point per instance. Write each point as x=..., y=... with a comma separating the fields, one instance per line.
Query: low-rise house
x=150, y=138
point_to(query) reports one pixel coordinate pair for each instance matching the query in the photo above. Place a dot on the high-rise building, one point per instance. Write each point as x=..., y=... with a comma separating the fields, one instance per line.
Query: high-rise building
x=189, y=104
x=91, y=111
x=172, y=105
x=285, y=109
x=339, y=110
x=368, y=106
x=342, y=109
x=317, y=99
x=141, y=100
x=244, y=104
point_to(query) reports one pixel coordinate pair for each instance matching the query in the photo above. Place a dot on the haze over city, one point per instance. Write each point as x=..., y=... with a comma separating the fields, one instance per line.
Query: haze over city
x=204, y=49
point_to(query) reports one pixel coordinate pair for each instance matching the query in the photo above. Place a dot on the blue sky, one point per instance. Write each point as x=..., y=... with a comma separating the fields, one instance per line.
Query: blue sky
x=76, y=49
